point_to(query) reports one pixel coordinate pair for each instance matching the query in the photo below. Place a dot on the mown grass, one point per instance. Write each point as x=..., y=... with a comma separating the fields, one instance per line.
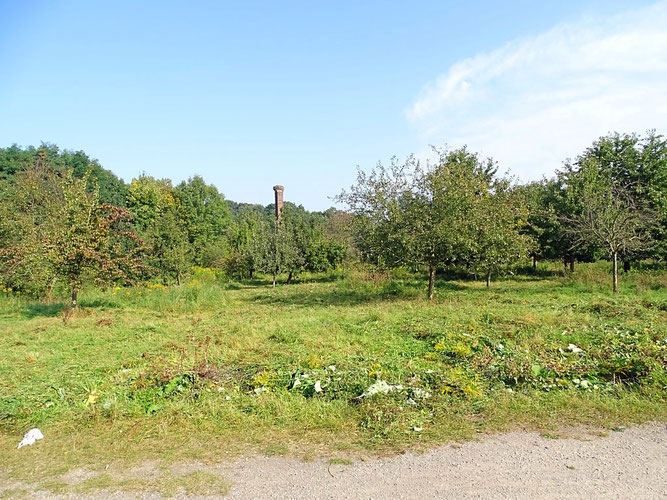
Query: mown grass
x=213, y=369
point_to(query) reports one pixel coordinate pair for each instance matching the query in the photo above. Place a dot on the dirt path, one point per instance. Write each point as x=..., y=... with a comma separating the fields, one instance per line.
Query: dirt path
x=627, y=464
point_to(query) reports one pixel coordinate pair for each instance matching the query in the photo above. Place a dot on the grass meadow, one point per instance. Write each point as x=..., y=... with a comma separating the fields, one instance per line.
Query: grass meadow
x=331, y=366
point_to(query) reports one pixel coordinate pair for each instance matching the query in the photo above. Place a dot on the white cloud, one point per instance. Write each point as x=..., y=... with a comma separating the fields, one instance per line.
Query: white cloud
x=535, y=102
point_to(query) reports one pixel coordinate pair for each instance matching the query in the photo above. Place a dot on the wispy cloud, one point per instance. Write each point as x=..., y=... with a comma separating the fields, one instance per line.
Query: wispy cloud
x=534, y=102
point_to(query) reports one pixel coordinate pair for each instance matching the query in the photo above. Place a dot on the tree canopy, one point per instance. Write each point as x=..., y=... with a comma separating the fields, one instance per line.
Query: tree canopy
x=454, y=213
x=66, y=220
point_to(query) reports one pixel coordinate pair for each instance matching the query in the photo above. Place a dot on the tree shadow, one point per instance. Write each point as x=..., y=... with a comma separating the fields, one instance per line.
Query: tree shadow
x=44, y=310
x=328, y=278
x=100, y=303
x=39, y=310
x=393, y=291
x=449, y=286
x=318, y=299
x=530, y=274
x=246, y=284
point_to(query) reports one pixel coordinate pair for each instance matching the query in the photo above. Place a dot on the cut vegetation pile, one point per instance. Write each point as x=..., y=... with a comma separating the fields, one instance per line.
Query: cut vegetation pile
x=211, y=369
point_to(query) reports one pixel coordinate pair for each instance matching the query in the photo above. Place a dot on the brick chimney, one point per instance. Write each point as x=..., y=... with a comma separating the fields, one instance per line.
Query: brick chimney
x=279, y=200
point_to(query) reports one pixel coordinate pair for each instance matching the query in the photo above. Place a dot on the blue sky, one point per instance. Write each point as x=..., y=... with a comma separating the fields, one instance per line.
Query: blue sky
x=252, y=94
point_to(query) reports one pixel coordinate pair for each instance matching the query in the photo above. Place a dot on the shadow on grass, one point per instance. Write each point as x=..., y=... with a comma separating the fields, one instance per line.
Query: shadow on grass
x=344, y=296
x=328, y=278
x=530, y=274
x=281, y=280
x=247, y=284
x=43, y=310
x=39, y=310
x=101, y=303
x=315, y=299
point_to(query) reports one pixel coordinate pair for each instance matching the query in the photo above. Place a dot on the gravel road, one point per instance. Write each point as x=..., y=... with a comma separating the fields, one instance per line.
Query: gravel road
x=629, y=464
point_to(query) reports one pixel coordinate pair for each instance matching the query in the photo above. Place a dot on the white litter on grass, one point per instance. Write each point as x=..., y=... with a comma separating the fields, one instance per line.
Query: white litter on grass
x=574, y=348
x=30, y=437
x=417, y=429
x=419, y=393
x=380, y=387
x=318, y=386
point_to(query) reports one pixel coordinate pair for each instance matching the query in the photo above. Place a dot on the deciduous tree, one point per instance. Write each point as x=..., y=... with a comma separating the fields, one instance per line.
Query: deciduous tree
x=610, y=216
x=90, y=239
x=432, y=217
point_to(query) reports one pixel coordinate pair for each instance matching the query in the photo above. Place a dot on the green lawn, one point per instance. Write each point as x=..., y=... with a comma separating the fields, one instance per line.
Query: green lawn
x=213, y=369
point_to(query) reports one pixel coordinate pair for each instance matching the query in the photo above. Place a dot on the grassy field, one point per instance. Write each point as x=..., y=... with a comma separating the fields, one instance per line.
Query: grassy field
x=332, y=367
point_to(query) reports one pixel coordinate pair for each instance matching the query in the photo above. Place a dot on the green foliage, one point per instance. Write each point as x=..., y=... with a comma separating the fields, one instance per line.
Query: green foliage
x=453, y=214
x=27, y=208
x=275, y=250
x=546, y=203
x=15, y=159
x=296, y=245
x=158, y=216
x=499, y=241
x=652, y=187
x=90, y=239
x=65, y=234
x=242, y=236
x=622, y=169
x=609, y=208
x=149, y=199
x=170, y=250
x=204, y=213
x=308, y=249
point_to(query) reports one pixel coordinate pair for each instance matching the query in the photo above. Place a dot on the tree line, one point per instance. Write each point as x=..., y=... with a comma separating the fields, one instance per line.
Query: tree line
x=459, y=213
x=66, y=221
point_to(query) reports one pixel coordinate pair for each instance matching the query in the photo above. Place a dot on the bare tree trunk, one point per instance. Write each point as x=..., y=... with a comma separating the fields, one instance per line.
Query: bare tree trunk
x=534, y=262
x=626, y=266
x=488, y=278
x=251, y=272
x=75, y=294
x=571, y=263
x=614, y=259
x=289, y=278
x=178, y=278
x=274, y=280
x=431, y=281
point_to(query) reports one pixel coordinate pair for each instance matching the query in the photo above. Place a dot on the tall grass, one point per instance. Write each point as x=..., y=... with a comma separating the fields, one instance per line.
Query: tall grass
x=216, y=367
